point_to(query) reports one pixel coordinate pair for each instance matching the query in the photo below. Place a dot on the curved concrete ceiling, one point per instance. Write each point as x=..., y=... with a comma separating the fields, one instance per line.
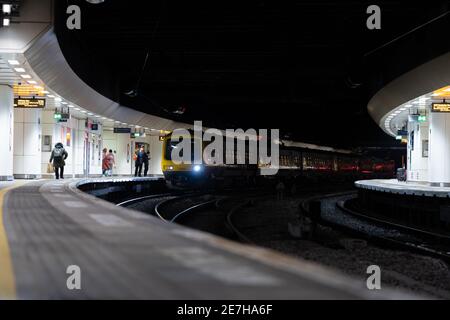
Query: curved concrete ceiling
x=47, y=61
x=422, y=80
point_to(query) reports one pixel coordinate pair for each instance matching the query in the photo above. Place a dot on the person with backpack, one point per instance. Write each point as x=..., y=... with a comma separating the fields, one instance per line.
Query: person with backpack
x=58, y=157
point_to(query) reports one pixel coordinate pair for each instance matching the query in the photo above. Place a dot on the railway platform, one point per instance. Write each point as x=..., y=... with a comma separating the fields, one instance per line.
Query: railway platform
x=411, y=204
x=49, y=226
x=405, y=188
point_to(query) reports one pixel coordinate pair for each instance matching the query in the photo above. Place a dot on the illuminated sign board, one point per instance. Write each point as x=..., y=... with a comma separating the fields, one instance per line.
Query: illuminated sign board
x=440, y=107
x=29, y=103
x=122, y=130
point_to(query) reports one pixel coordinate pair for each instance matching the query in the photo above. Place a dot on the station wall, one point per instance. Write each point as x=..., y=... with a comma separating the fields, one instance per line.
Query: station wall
x=124, y=148
x=35, y=133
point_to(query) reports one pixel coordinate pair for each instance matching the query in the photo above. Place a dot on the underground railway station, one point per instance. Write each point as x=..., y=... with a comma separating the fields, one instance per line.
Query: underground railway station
x=224, y=152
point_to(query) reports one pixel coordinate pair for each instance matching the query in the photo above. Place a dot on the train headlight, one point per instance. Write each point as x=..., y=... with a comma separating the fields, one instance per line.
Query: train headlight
x=197, y=168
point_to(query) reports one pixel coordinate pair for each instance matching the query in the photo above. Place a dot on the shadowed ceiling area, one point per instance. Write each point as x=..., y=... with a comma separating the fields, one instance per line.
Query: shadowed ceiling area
x=298, y=66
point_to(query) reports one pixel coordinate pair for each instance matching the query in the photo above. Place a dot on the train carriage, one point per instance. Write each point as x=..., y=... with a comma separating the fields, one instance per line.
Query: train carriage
x=295, y=160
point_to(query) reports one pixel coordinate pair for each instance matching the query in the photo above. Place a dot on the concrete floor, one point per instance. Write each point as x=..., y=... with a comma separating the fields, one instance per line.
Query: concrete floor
x=51, y=227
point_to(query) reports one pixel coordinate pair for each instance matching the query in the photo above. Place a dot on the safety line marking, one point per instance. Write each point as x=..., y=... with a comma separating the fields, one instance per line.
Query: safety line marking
x=7, y=279
x=110, y=220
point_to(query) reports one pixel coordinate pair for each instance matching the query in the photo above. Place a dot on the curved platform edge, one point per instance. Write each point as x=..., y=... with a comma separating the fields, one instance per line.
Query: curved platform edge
x=403, y=188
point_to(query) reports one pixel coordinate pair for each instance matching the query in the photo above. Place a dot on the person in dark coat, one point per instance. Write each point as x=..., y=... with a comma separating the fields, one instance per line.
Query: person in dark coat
x=139, y=162
x=58, y=157
x=146, y=161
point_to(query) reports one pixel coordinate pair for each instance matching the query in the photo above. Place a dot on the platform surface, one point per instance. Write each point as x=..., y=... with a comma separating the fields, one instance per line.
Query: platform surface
x=401, y=187
x=125, y=254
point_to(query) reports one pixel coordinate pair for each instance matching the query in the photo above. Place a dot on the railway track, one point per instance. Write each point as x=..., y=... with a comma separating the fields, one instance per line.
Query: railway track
x=233, y=226
x=381, y=232
x=174, y=210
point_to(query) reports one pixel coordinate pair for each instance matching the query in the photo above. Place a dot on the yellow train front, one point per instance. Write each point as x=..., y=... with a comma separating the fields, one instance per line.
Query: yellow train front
x=206, y=172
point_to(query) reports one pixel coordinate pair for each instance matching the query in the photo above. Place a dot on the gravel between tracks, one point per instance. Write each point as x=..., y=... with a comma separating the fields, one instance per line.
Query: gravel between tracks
x=265, y=222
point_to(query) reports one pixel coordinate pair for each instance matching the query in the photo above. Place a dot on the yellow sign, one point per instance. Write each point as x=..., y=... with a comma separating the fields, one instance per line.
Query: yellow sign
x=29, y=103
x=440, y=107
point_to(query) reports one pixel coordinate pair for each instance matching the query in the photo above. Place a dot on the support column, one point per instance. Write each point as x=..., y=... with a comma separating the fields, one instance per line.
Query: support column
x=418, y=154
x=439, y=159
x=6, y=132
x=27, y=143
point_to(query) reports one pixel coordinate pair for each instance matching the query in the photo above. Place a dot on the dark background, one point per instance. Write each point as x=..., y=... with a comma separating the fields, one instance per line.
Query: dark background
x=300, y=66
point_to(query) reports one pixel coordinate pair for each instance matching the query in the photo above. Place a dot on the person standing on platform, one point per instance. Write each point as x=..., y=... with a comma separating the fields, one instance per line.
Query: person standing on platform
x=139, y=161
x=146, y=161
x=111, y=162
x=58, y=157
x=105, y=166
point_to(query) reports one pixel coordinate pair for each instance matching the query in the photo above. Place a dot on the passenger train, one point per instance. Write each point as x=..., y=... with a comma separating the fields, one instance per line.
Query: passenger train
x=296, y=160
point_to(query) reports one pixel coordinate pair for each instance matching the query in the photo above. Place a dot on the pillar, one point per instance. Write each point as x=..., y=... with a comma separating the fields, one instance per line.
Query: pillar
x=439, y=154
x=27, y=143
x=6, y=132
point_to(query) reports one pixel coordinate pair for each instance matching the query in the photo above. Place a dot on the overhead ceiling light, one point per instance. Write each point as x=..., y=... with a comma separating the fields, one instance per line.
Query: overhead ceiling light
x=83, y=111
x=402, y=109
x=117, y=121
x=103, y=118
x=50, y=96
x=32, y=82
x=38, y=87
x=6, y=8
x=97, y=116
x=408, y=106
x=6, y=22
x=90, y=114
x=13, y=62
x=63, y=102
x=25, y=76
x=20, y=70
x=45, y=92
x=78, y=109
x=70, y=106
x=58, y=99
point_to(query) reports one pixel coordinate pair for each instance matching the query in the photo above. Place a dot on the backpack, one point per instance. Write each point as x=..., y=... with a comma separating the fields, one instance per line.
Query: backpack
x=58, y=153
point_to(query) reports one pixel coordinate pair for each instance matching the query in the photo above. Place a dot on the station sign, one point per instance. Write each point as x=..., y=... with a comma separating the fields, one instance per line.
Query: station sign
x=122, y=130
x=61, y=117
x=29, y=103
x=440, y=107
